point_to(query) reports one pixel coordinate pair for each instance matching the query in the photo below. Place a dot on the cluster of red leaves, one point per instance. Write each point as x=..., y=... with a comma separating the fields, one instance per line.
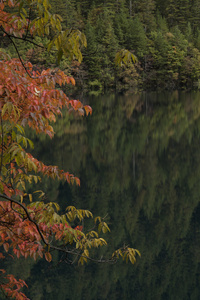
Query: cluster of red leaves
x=59, y=229
x=18, y=233
x=54, y=172
x=50, y=171
x=21, y=235
x=11, y=23
x=12, y=286
x=39, y=167
x=35, y=95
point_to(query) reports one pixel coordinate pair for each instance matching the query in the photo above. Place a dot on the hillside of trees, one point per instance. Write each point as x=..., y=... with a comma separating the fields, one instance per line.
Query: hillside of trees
x=164, y=36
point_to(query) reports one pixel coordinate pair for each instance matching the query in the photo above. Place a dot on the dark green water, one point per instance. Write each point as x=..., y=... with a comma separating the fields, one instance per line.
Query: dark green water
x=138, y=158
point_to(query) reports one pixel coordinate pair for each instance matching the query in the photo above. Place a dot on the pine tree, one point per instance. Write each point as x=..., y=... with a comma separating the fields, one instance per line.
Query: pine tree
x=183, y=13
x=161, y=23
x=189, y=33
x=195, y=14
x=171, y=13
x=177, y=13
x=145, y=10
x=92, y=58
x=68, y=11
x=108, y=46
x=197, y=39
x=136, y=38
x=121, y=25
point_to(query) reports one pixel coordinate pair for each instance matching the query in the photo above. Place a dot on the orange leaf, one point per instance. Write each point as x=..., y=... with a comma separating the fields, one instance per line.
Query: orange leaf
x=88, y=110
x=72, y=80
x=48, y=256
x=77, y=180
x=3, y=271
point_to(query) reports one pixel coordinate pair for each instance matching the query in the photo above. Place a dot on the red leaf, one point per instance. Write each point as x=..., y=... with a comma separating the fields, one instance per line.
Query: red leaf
x=6, y=247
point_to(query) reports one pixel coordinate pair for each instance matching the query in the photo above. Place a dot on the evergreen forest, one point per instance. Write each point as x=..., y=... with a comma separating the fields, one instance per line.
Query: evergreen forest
x=163, y=35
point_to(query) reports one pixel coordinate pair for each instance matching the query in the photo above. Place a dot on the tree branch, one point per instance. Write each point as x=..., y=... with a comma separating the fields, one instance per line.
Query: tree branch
x=27, y=214
x=19, y=55
x=21, y=38
x=73, y=252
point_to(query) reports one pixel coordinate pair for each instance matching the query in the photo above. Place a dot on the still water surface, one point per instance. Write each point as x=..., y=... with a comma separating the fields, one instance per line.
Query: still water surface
x=138, y=159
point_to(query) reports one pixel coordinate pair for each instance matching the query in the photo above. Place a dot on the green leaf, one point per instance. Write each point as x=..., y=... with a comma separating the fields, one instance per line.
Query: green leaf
x=124, y=57
x=59, y=55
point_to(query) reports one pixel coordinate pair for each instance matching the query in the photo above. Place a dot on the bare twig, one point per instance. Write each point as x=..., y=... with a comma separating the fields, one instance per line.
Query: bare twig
x=21, y=38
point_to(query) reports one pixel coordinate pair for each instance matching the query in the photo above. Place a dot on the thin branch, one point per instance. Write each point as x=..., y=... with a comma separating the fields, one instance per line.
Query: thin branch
x=2, y=290
x=16, y=210
x=19, y=55
x=29, y=19
x=3, y=208
x=21, y=38
x=25, y=39
x=28, y=216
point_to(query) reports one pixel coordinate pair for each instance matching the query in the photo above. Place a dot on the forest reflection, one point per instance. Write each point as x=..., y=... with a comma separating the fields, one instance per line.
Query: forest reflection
x=138, y=159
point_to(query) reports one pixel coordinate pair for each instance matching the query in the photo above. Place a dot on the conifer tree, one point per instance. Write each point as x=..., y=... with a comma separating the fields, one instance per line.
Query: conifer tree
x=162, y=23
x=145, y=9
x=195, y=14
x=121, y=24
x=92, y=57
x=108, y=46
x=177, y=13
x=136, y=38
x=171, y=13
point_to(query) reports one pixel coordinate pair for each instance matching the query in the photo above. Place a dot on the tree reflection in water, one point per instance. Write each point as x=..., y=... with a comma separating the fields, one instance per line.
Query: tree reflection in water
x=138, y=158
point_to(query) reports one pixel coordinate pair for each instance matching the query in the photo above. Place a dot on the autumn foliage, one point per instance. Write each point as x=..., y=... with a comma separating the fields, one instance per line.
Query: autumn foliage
x=28, y=226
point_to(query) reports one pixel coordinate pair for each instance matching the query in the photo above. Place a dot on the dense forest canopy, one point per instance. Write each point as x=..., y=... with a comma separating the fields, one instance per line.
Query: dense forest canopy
x=164, y=35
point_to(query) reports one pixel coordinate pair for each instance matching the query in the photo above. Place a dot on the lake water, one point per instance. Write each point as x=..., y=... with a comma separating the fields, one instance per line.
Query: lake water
x=138, y=159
